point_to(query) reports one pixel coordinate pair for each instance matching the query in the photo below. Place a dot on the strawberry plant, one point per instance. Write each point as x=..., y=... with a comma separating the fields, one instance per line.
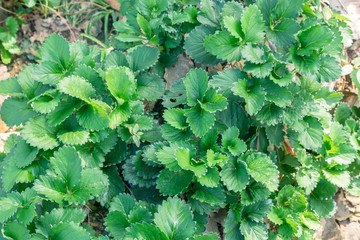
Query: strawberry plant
x=8, y=40
x=261, y=140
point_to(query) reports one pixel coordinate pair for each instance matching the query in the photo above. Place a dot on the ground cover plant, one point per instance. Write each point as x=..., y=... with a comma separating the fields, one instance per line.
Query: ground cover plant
x=262, y=139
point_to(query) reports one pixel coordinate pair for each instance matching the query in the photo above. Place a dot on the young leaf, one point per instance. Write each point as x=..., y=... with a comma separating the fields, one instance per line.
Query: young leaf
x=224, y=46
x=56, y=49
x=253, y=95
x=253, y=25
x=234, y=175
x=176, y=118
x=200, y=120
x=121, y=83
x=77, y=87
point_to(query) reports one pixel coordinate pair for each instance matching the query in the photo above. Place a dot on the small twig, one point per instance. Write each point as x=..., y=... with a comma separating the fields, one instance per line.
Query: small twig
x=4, y=9
x=258, y=140
x=90, y=3
x=66, y=23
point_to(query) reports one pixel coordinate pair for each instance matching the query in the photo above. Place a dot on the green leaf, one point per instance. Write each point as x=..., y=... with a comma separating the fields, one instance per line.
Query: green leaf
x=11, y=24
x=121, y=83
x=314, y=38
x=167, y=157
x=174, y=219
x=231, y=141
x=224, y=46
x=208, y=236
x=142, y=57
x=74, y=138
x=323, y=208
x=233, y=25
x=93, y=116
x=339, y=177
x=67, y=164
x=15, y=111
x=144, y=231
x=224, y=80
x=259, y=70
x=151, y=8
x=270, y=114
x=310, y=220
x=254, y=192
x=213, y=102
x=11, y=87
x=16, y=231
x=119, y=115
x=38, y=133
x=312, y=137
x=307, y=178
x=116, y=223
x=329, y=70
x=324, y=190
x=257, y=211
x=307, y=64
x=173, y=134
x=150, y=86
x=281, y=96
x=253, y=230
x=144, y=25
x=24, y=154
x=342, y=113
x=77, y=87
x=63, y=231
x=210, y=13
x=65, y=108
x=213, y=196
x=254, y=95
x=234, y=175
x=176, y=118
x=211, y=178
x=47, y=102
x=254, y=54
x=196, y=84
x=173, y=183
x=263, y=170
x=186, y=162
x=56, y=49
x=253, y=25
x=194, y=46
x=283, y=33
x=200, y=120
x=123, y=203
x=8, y=206
x=117, y=59
x=232, y=226
x=275, y=134
x=48, y=73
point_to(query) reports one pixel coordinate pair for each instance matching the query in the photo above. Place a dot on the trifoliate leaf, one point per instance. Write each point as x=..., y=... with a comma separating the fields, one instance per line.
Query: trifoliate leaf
x=176, y=118
x=263, y=170
x=234, y=175
x=173, y=183
x=211, y=178
x=194, y=46
x=47, y=101
x=253, y=25
x=254, y=192
x=213, y=159
x=329, y=70
x=254, y=54
x=93, y=116
x=196, y=84
x=121, y=83
x=67, y=165
x=314, y=38
x=24, y=154
x=312, y=137
x=213, y=196
x=142, y=57
x=150, y=86
x=224, y=46
x=186, y=162
x=200, y=120
x=38, y=133
x=254, y=95
x=290, y=199
x=174, y=219
x=15, y=111
x=56, y=49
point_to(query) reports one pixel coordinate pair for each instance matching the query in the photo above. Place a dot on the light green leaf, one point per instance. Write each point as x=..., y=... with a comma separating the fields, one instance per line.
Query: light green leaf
x=176, y=118
x=339, y=177
x=196, y=84
x=310, y=220
x=234, y=175
x=119, y=115
x=254, y=54
x=63, y=231
x=144, y=25
x=38, y=133
x=8, y=206
x=16, y=231
x=224, y=46
x=263, y=170
x=323, y=208
x=93, y=116
x=259, y=70
x=142, y=57
x=253, y=25
x=329, y=70
x=213, y=196
x=150, y=86
x=77, y=87
x=47, y=102
x=174, y=219
x=186, y=162
x=213, y=102
x=231, y=141
x=24, y=154
x=211, y=178
x=233, y=25
x=312, y=137
x=254, y=192
x=121, y=83
x=253, y=230
x=11, y=87
x=314, y=38
x=56, y=49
